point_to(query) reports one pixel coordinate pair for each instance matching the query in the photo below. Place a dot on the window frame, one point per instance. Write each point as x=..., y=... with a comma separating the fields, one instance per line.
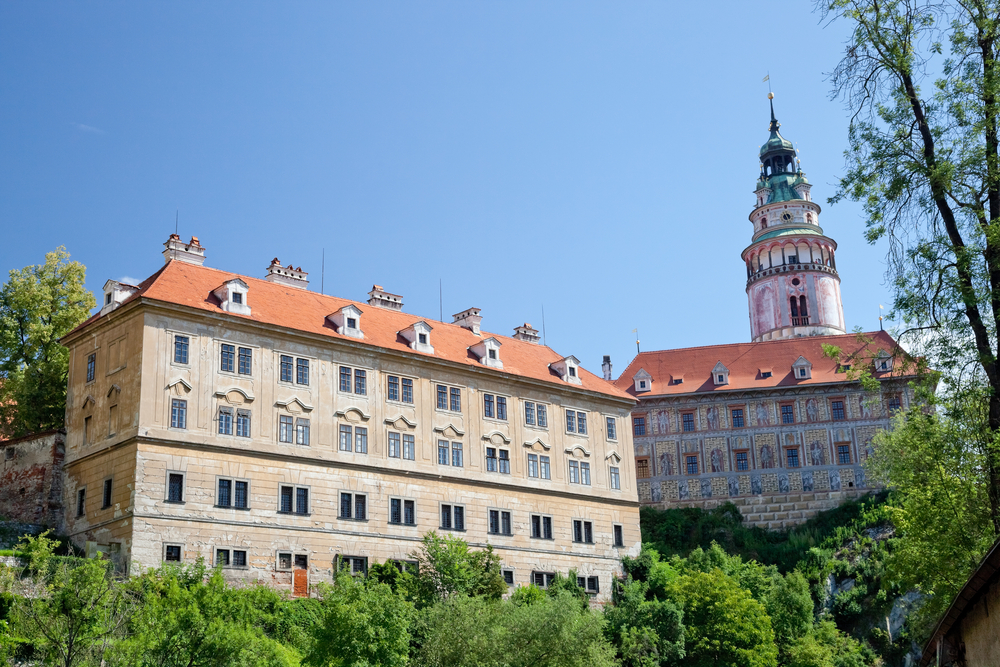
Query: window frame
x=790, y=413
x=295, y=499
x=232, y=493
x=841, y=450
x=451, y=513
x=843, y=409
x=501, y=515
x=687, y=463
x=81, y=502
x=230, y=553
x=614, y=478
x=733, y=417
x=639, y=460
x=286, y=436
x=541, y=527
x=611, y=428
x=244, y=420
x=168, y=545
x=639, y=424
x=231, y=421
x=340, y=560
x=167, y=487
x=617, y=535
x=180, y=405
x=302, y=430
x=790, y=453
x=745, y=453
x=354, y=506
x=282, y=368
x=690, y=419
x=108, y=493
x=91, y=367
x=402, y=500
x=586, y=527
x=186, y=348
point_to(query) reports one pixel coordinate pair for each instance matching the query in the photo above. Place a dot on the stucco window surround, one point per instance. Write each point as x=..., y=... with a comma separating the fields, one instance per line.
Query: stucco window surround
x=311, y=370
x=404, y=386
x=220, y=502
x=488, y=352
x=577, y=414
x=496, y=407
x=612, y=460
x=170, y=479
x=233, y=296
x=453, y=396
x=568, y=368
x=642, y=381
x=285, y=560
x=171, y=335
x=720, y=374
x=255, y=358
x=611, y=427
x=231, y=557
x=576, y=456
x=173, y=552
x=418, y=335
x=530, y=409
x=347, y=321
x=802, y=369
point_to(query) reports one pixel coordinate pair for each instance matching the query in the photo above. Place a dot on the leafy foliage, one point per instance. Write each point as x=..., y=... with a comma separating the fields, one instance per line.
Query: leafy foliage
x=447, y=567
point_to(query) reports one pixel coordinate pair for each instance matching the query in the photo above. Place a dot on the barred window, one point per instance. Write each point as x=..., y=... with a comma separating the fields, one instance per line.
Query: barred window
x=742, y=461
x=499, y=522
x=642, y=468
x=687, y=421
x=837, y=410
x=619, y=536
x=402, y=511
x=787, y=414
x=91, y=366
x=453, y=517
x=583, y=531
x=541, y=527
x=843, y=454
x=225, y=495
x=175, y=488
x=241, y=499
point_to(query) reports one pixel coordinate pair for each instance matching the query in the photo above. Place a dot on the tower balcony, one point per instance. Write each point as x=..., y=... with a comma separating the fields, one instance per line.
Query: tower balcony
x=786, y=268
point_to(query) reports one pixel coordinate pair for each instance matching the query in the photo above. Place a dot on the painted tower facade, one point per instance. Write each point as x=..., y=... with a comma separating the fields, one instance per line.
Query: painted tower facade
x=792, y=283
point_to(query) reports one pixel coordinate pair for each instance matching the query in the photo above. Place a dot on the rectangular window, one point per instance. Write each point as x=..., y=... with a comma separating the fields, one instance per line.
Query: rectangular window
x=246, y=361
x=453, y=517
x=409, y=512
x=284, y=561
x=392, y=388
x=687, y=421
x=345, y=438
x=737, y=414
x=360, y=440
x=642, y=468
x=612, y=432
x=542, y=579
x=301, y=371
x=409, y=447
x=222, y=557
x=571, y=421
x=345, y=379
x=239, y=558
x=287, y=499
x=893, y=405
x=456, y=454
x=584, y=473
x=360, y=382
x=356, y=566
x=544, y=468
x=242, y=496
x=91, y=366
x=243, y=423
x=793, y=457
x=297, y=495
x=581, y=423
x=228, y=361
x=619, y=536
x=638, y=426
x=225, y=498
x=394, y=446
x=346, y=506
x=402, y=512
x=86, y=430
x=616, y=482
x=692, y=465
x=226, y=421
x=574, y=472
x=181, y=349
x=301, y=431
x=542, y=415
x=541, y=527
x=491, y=459
x=532, y=465
x=301, y=501
x=81, y=502
x=442, y=397
x=172, y=553
x=112, y=420
x=742, y=461
x=107, y=495
x=407, y=395
x=583, y=531
x=237, y=297
x=843, y=454
x=501, y=408
x=529, y=413
x=504, y=462
x=456, y=400
x=286, y=368
x=178, y=413
x=488, y=405
x=175, y=487
x=837, y=410
x=360, y=506
x=284, y=428
x=508, y=577
x=443, y=452
x=499, y=522
x=787, y=414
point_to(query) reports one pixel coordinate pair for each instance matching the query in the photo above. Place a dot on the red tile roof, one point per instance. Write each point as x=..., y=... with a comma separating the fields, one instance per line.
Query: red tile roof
x=270, y=303
x=745, y=362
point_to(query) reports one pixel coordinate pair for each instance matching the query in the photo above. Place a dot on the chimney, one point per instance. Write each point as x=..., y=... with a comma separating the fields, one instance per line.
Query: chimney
x=468, y=319
x=290, y=276
x=379, y=298
x=606, y=367
x=526, y=333
x=191, y=252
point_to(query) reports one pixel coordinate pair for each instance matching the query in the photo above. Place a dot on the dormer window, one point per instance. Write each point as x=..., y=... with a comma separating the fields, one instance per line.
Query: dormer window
x=642, y=381
x=567, y=369
x=232, y=296
x=237, y=297
x=678, y=380
x=493, y=354
x=418, y=335
x=347, y=321
x=883, y=362
x=107, y=299
x=642, y=384
x=572, y=371
x=423, y=341
x=352, y=323
x=488, y=352
x=720, y=374
x=115, y=293
x=802, y=369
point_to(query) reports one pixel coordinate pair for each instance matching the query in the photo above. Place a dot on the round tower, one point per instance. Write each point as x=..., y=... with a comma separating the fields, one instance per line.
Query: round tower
x=792, y=282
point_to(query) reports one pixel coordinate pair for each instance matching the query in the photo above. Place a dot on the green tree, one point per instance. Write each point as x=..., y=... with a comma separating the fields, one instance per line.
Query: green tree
x=38, y=305
x=646, y=632
x=364, y=624
x=790, y=607
x=446, y=566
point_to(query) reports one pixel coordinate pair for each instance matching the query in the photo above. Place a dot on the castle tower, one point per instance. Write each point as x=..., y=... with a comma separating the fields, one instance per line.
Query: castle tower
x=792, y=282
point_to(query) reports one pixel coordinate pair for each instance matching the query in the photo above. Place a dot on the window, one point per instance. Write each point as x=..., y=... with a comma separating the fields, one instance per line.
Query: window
x=541, y=527
x=638, y=426
x=574, y=472
x=737, y=414
x=352, y=323
x=175, y=487
x=394, y=446
x=488, y=405
x=499, y=522
x=619, y=535
x=246, y=361
x=360, y=440
x=392, y=388
x=572, y=371
x=504, y=462
x=237, y=297
x=178, y=413
x=411, y=566
x=508, y=577
x=407, y=396
x=765, y=374
x=491, y=459
x=612, y=431
x=107, y=495
x=893, y=405
x=91, y=366
x=354, y=506
x=402, y=512
x=837, y=410
x=742, y=461
x=181, y=349
x=542, y=414
x=357, y=566
x=687, y=421
x=172, y=553
x=226, y=421
x=284, y=428
x=422, y=338
x=345, y=379
x=542, y=579
x=443, y=452
x=228, y=361
x=235, y=493
x=456, y=400
x=302, y=371
x=576, y=422
x=360, y=382
x=843, y=454
x=112, y=420
x=802, y=372
x=787, y=414
x=449, y=398
x=692, y=465
x=345, y=437
x=407, y=449
x=532, y=465
x=453, y=517
x=616, y=482
x=294, y=500
x=583, y=531
x=588, y=584
x=242, y=423
x=642, y=468
x=544, y=468
x=301, y=431
x=529, y=414
x=81, y=502
x=584, y=473
x=230, y=558
x=442, y=397
x=86, y=430
x=792, y=455
x=286, y=368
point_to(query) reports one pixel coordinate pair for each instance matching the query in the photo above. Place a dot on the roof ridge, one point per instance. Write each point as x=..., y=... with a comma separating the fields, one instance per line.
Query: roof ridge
x=751, y=343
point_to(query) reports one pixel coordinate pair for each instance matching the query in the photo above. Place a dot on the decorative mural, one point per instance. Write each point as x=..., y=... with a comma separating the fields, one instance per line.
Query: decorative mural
x=816, y=456
x=712, y=415
x=766, y=457
x=717, y=461
x=807, y=481
x=682, y=490
x=734, y=486
x=662, y=422
x=812, y=410
x=756, y=488
x=835, y=480
x=765, y=306
x=706, y=488
x=666, y=462
x=783, y=483
x=763, y=415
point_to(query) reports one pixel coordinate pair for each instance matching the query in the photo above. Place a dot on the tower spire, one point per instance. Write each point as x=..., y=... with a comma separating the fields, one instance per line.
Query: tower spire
x=774, y=121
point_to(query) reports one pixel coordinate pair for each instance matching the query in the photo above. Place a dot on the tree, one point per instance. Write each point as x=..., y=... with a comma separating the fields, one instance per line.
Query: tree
x=647, y=632
x=446, y=566
x=38, y=305
x=790, y=607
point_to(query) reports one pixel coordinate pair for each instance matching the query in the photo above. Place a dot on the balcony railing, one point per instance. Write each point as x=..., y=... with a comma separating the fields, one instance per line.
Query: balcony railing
x=800, y=321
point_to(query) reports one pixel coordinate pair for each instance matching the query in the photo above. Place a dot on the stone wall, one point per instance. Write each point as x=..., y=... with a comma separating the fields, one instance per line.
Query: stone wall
x=31, y=479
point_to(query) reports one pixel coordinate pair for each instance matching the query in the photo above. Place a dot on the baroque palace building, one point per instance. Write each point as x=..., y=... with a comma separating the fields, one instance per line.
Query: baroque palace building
x=777, y=426
x=283, y=434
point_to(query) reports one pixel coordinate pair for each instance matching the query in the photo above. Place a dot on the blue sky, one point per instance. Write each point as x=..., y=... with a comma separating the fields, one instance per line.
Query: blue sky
x=593, y=159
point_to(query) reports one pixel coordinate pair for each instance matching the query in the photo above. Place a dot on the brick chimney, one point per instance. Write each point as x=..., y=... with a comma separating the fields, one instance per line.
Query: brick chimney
x=191, y=252
x=290, y=276
x=606, y=367
x=468, y=319
x=526, y=333
x=379, y=298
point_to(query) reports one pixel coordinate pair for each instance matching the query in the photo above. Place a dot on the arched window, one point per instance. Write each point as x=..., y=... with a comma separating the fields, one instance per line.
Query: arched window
x=803, y=306
x=793, y=302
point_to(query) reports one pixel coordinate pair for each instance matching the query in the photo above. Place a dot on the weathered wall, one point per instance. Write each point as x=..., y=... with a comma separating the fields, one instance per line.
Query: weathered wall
x=980, y=629
x=31, y=479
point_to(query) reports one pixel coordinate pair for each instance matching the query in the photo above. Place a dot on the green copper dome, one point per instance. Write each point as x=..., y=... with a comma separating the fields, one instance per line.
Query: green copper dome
x=776, y=142
x=779, y=172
